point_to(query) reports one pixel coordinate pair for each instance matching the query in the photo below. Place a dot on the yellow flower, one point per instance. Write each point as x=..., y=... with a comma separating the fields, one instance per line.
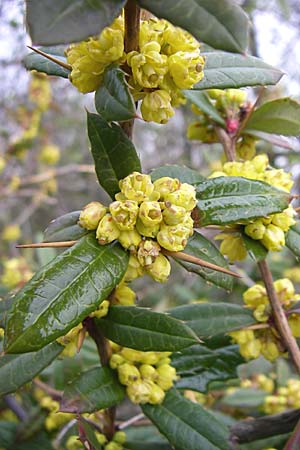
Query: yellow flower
x=124, y=214
x=255, y=230
x=147, y=253
x=156, y=107
x=160, y=269
x=134, y=269
x=232, y=246
x=137, y=187
x=273, y=238
x=165, y=186
x=173, y=238
x=11, y=233
x=130, y=239
x=186, y=68
x=256, y=295
x=91, y=215
x=50, y=154
x=185, y=196
x=123, y=295
x=150, y=213
x=107, y=230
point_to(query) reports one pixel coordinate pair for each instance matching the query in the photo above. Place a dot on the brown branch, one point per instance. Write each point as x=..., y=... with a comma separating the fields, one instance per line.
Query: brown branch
x=250, y=430
x=281, y=322
x=199, y=262
x=54, y=393
x=227, y=142
x=103, y=349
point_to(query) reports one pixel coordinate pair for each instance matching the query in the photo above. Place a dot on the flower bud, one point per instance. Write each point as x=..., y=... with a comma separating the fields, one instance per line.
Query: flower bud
x=185, y=197
x=232, y=246
x=285, y=290
x=186, y=68
x=148, y=372
x=107, y=230
x=280, y=179
x=173, y=214
x=294, y=323
x=260, y=162
x=128, y=374
x=50, y=154
x=132, y=355
x=236, y=96
x=251, y=350
x=124, y=214
x=173, y=238
x=255, y=230
x=156, y=107
x=147, y=231
x=73, y=443
x=157, y=394
x=139, y=392
x=246, y=147
x=166, y=376
x=120, y=437
x=134, y=269
x=123, y=295
x=102, y=311
x=116, y=360
x=11, y=232
x=160, y=269
x=270, y=350
x=273, y=238
x=285, y=219
x=137, y=187
x=147, y=253
x=130, y=240
x=113, y=446
x=166, y=185
x=150, y=357
x=256, y=295
x=242, y=336
x=150, y=213
x=261, y=313
x=91, y=215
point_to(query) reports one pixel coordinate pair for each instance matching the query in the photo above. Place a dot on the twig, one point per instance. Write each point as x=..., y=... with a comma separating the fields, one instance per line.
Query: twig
x=131, y=421
x=54, y=393
x=279, y=316
x=63, y=432
x=227, y=142
x=104, y=354
x=254, y=429
x=15, y=407
x=47, y=244
x=199, y=262
x=250, y=112
x=51, y=58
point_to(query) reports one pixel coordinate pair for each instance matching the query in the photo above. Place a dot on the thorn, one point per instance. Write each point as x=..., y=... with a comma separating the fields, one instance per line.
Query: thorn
x=199, y=262
x=81, y=338
x=47, y=244
x=51, y=58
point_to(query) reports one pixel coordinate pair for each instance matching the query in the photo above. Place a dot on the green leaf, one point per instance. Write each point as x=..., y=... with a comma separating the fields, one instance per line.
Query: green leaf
x=95, y=389
x=144, y=445
x=34, y=61
x=202, y=101
x=211, y=319
x=113, y=100
x=63, y=293
x=256, y=250
x=16, y=370
x=89, y=432
x=280, y=116
x=227, y=70
x=202, y=248
x=65, y=228
x=114, y=154
x=187, y=425
x=145, y=330
x=66, y=21
x=292, y=239
x=226, y=200
x=5, y=306
x=221, y=25
x=198, y=366
x=183, y=173
x=245, y=398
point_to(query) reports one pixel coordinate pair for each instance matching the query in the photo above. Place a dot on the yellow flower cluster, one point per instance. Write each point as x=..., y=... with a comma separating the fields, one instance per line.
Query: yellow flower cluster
x=168, y=60
x=49, y=154
x=146, y=375
x=15, y=273
x=265, y=341
x=145, y=217
x=118, y=439
x=285, y=397
x=229, y=104
x=54, y=419
x=11, y=232
x=270, y=230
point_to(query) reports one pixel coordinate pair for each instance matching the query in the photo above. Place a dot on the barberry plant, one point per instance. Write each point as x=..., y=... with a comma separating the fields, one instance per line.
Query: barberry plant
x=143, y=59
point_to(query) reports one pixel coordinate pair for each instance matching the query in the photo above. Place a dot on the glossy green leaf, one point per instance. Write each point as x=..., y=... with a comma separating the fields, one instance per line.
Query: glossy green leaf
x=50, y=22
x=5, y=306
x=245, y=398
x=256, y=250
x=63, y=293
x=280, y=116
x=221, y=25
x=113, y=100
x=198, y=366
x=64, y=228
x=145, y=330
x=292, y=239
x=225, y=200
x=187, y=425
x=10, y=438
x=183, y=173
x=202, y=101
x=202, y=248
x=34, y=61
x=227, y=70
x=16, y=370
x=114, y=154
x=210, y=319
x=95, y=389
x=144, y=445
